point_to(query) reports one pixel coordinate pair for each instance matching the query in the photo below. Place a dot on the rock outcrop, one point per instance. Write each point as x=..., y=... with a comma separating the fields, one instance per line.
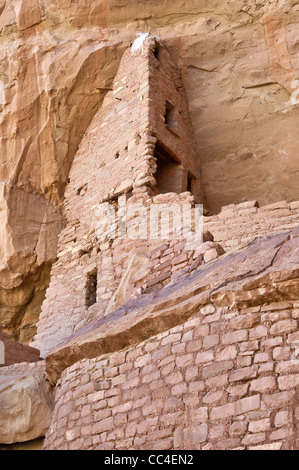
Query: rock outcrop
x=14, y=353
x=26, y=403
x=239, y=63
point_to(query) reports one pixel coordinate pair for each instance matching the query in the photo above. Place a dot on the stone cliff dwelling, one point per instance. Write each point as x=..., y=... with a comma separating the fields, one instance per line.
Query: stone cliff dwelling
x=152, y=343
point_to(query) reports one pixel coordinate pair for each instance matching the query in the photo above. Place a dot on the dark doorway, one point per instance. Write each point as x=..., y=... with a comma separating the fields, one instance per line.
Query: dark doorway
x=170, y=176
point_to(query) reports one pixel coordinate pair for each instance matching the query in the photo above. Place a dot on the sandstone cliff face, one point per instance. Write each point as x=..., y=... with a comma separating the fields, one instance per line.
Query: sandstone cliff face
x=26, y=403
x=239, y=65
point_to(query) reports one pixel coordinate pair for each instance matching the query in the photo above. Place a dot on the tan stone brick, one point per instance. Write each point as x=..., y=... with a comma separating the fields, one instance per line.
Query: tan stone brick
x=173, y=338
x=281, y=433
x=179, y=389
x=235, y=337
x=228, y=444
x=185, y=360
x=193, y=437
x=244, y=361
x=147, y=425
x=131, y=383
x=274, y=446
x=123, y=408
x=84, y=390
x=259, y=426
x=102, y=414
x=264, y=384
x=112, y=372
x=161, y=353
x=201, y=331
x=153, y=408
x=267, y=367
x=203, y=357
x=143, y=360
x=287, y=367
x=281, y=419
x=226, y=354
x=247, y=404
x=249, y=346
x=194, y=346
x=196, y=386
x=272, y=342
x=243, y=374
x=284, y=326
x=200, y=415
x=178, y=349
x=258, y=332
x=151, y=377
x=102, y=426
x=293, y=338
x=98, y=405
x=261, y=357
x=191, y=373
x=188, y=336
x=281, y=354
x=216, y=431
x=238, y=429
x=223, y=412
x=288, y=381
x=217, y=381
x=278, y=400
x=213, y=397
x=174, y=378
x=210, y=341
x=252, y=439
x=148, y=369
x=245, y=321
x=171, y=419
x=166, y=370
x=211, y=318
x=238, y=390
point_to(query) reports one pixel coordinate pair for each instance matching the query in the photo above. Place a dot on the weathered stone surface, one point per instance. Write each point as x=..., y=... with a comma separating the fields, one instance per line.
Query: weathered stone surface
x=26, y=405
x=12, y=352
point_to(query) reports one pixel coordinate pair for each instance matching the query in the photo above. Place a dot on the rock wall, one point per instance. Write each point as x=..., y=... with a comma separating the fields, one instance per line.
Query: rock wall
x=239, y=62
x=240, y=224
x=223, y=380
x=210, y=362
x=26, y=402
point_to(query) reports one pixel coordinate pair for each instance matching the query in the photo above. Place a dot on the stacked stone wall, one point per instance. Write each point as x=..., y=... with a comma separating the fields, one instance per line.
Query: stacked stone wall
x=225, y=379
x=240, y=224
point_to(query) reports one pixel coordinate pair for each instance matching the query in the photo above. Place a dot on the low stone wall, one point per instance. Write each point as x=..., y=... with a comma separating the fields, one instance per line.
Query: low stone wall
x=225, y=379
x=171, y=261
x=233, y=227
x=24, y=368
x=12, y=352
x=239, y=224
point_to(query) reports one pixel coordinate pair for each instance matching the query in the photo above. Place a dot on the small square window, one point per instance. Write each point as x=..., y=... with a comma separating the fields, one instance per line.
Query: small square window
x=171, y=115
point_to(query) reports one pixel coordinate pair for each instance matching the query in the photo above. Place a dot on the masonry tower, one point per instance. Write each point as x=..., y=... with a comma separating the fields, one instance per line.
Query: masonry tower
x=140, y=144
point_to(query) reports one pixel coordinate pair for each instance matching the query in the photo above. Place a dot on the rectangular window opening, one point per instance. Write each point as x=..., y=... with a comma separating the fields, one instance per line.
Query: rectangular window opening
x=91, y=288
x=171, y=115
x=170, y=176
